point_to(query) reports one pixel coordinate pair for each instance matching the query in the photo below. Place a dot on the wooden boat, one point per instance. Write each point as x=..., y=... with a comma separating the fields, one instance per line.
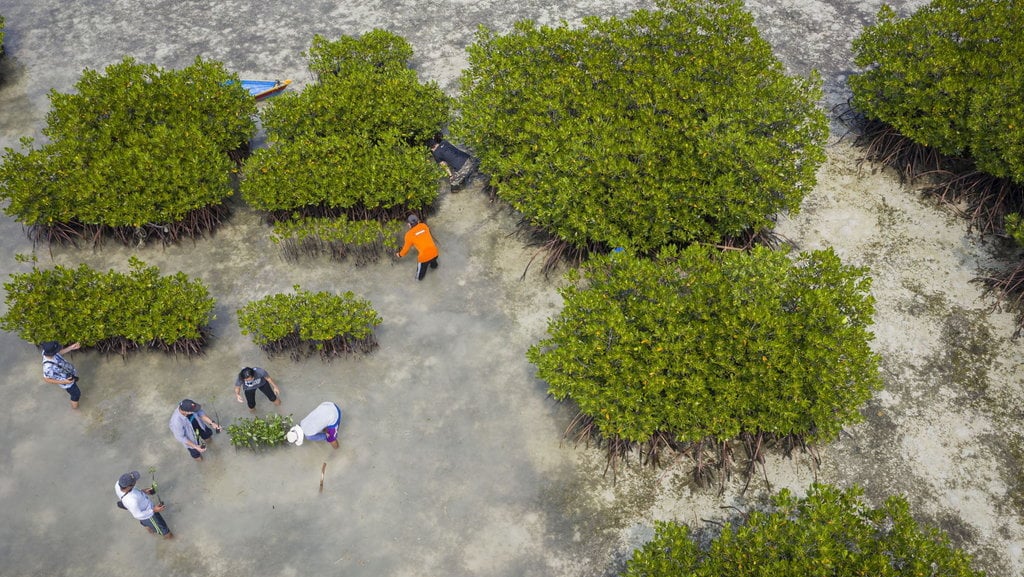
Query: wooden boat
x=261, y=89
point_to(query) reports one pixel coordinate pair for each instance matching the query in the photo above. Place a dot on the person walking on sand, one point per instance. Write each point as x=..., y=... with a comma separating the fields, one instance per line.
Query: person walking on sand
x=419, y=236
x=319, y=425
x=136, y=502
x=251, y=379
x=57, y=370
x=191, y=426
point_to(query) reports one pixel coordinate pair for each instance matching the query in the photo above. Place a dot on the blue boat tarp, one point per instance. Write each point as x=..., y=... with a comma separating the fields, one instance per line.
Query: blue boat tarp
x=264, y=88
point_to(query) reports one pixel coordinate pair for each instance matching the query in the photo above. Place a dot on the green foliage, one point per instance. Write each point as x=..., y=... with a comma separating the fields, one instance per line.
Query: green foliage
x=256, y=433
x=947, y=77
x=378, y=49
x=339, y=237
x=670, y=126
x=308, y=322
x=111, y=311
x=707, y=344
x=133, y=145
x=353, y=143
x=1015, y=228
x=830, y=532
x=3, y=24
x=341, y=173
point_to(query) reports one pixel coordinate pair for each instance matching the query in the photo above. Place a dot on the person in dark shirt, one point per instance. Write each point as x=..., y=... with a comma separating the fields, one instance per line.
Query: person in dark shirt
x=459, y=164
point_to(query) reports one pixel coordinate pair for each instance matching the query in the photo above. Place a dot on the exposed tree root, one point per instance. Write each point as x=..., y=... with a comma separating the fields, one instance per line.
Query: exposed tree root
x=713, y=460
x=196, y=223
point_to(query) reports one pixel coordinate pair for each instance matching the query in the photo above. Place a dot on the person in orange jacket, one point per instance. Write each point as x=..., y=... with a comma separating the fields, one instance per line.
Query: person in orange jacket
x=418, y=236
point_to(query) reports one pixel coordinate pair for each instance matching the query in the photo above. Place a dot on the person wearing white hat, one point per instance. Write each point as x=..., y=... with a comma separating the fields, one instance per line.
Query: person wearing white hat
x=319, y=425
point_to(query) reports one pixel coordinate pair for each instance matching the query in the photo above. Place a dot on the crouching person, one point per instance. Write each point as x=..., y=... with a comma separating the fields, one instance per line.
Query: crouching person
x=319, y=425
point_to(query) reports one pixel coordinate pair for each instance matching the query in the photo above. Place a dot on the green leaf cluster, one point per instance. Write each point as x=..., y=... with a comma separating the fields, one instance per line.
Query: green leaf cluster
x=829, y=532
x=667, y=127
x=92, y=307
x=948, y=77
x=342, y=173
x=134, y=145
x=308, y=319
x=3, y=25
x=257, y=433
x=701, y=343
x=354, y=140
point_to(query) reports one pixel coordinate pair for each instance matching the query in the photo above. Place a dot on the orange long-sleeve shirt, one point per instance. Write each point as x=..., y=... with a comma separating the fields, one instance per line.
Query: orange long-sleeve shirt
x=419, y=236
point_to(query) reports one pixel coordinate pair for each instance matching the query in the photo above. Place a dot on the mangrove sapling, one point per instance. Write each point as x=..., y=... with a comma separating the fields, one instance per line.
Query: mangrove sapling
x=257, y=433
x=153, y=487
x=308, y=323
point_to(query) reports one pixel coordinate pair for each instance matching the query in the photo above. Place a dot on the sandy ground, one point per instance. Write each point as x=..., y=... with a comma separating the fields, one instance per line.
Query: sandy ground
x=451, y=461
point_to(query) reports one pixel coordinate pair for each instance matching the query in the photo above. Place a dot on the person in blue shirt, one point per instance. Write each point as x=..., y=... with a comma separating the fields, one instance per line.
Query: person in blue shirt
x=191, y=426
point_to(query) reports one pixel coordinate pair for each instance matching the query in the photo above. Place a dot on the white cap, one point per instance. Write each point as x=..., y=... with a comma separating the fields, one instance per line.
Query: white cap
x=295, y=435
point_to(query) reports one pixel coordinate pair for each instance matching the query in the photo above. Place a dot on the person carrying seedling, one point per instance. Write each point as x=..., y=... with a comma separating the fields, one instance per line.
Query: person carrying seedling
x=59, y=371
x=136, y=502
x=191, y=427
x=251, y=379
x=319, y=425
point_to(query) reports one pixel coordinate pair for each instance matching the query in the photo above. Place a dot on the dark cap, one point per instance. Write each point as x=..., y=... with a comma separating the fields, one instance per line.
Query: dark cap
x=413, y=220
x=189, y=406
x=50, y=348
x=128, y=479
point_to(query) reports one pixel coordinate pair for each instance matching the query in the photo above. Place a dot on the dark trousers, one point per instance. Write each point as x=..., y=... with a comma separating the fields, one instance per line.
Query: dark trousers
x=250, y=394
x=421, y=268
x=74, y=392
x=156, y=524
x=201, y=435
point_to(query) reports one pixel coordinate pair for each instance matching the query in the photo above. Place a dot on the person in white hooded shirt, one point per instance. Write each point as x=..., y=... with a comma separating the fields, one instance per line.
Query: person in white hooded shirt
x=319, y=425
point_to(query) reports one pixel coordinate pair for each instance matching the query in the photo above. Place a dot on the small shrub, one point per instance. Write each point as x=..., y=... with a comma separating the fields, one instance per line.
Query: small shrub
x=829, y=532
x=112, y=311
x=941, y=78
x=700, y=347
x=136, y=152
x=338, y=237
x=257, y=433
x=353, y=142
x=306, y=323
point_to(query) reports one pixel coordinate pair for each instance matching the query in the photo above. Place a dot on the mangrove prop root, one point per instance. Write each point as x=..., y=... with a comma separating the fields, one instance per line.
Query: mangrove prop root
x=196, y=223
x=298, y=349
x=713, y=461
